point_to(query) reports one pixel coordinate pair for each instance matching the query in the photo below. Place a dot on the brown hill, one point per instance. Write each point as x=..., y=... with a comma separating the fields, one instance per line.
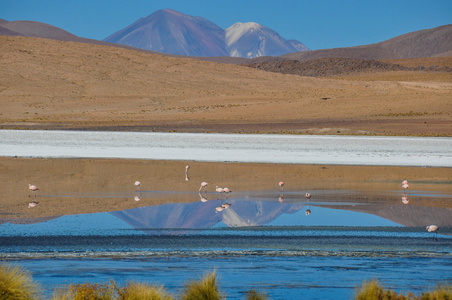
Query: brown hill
x=324, y=67
x=46, y=83
x=423, y=43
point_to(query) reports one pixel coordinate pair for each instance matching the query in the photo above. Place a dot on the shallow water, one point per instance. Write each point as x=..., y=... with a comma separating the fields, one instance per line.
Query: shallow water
x=268, y=239
x=288, y=254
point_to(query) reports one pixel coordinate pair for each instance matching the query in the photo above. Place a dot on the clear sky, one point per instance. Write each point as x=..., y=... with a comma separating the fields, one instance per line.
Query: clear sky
x=318, y=24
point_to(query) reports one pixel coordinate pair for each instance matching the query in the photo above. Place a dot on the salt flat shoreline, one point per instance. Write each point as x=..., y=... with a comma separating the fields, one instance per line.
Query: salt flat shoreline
x=249, y=148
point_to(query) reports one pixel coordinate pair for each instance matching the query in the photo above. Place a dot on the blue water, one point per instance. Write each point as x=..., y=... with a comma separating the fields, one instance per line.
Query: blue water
x=289, y=255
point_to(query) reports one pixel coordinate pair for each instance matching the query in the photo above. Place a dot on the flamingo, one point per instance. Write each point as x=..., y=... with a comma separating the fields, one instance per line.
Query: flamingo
x=308, y=196
x=137, y=198
x=203, y=185
x=405, y=185
x=434, y=229
x=219, y=190
x=281, y=186
x=32, y=188
x=308, y=212
x=137, y=184
x=218, y=209
x=226, y=191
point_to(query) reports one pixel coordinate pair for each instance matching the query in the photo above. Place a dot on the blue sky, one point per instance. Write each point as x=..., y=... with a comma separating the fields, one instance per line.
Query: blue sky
x=317, y=24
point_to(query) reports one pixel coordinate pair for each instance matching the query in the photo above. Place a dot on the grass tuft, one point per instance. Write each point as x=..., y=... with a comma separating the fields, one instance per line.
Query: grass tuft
x=142, y=291
x=372, y=290
x=87, y=291
x=205, y=288
x=17, y=283
x=255, y=295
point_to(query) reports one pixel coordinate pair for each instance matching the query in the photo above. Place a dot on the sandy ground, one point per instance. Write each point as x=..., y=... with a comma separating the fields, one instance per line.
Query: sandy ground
x=49, y=84
x=76, y=186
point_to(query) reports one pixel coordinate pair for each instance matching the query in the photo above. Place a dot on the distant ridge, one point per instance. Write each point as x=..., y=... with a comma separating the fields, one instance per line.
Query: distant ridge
x=424, y=43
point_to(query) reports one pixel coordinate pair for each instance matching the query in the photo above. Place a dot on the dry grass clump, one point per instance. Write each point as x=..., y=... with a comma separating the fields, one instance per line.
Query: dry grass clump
x=87, y=291
x=255, y=295
x=17, y=283
x=205, y=288
x=372, y=290
x=142, y=291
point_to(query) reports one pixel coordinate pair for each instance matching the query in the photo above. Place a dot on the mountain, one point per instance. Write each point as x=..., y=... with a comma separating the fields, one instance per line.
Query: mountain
x=43, y=30
x=169, y=31
x=253, y=40
x=423, y=43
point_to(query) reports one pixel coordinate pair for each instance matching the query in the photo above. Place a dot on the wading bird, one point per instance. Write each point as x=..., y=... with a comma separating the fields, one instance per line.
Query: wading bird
x=203, y=185
x=137, y=184
x=405, y=185
x=219, y=189
x=226, y=191
x=434, y=229
x=281, y=186
x=32, y=188
x=308, y=196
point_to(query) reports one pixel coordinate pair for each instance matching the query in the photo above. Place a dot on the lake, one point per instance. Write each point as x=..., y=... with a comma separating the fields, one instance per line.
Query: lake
x=91, y=223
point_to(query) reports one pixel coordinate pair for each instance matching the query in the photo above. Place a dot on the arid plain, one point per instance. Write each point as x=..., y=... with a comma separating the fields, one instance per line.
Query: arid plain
x=50, y=84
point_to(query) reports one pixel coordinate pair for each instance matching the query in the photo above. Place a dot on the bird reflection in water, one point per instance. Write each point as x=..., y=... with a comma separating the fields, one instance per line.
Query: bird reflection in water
x=137, y=185
x=32, y=204
x=405, y=199
x=202, y=198
x=186, y=173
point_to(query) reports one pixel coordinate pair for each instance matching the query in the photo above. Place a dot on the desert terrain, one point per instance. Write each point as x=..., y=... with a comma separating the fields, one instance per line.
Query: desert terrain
x=49, y=84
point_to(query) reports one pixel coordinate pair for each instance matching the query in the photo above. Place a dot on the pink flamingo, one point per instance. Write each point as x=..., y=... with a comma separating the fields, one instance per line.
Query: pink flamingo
x=434, y=229
x=32, y=188
x=226, y=191
x=308, y=196
x=281, y=186
x=219, y=190
x=137, y=184
x=405, y=185
x=203, y=185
